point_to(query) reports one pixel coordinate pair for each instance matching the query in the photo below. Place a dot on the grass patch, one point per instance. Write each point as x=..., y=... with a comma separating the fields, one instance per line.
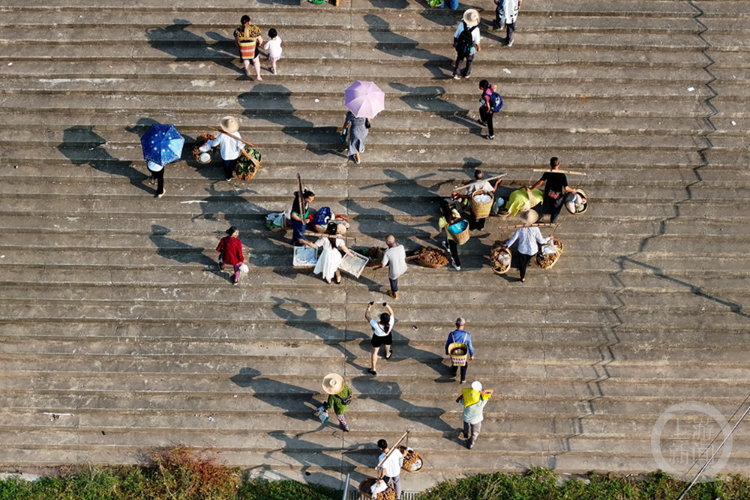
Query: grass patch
x=185, y=474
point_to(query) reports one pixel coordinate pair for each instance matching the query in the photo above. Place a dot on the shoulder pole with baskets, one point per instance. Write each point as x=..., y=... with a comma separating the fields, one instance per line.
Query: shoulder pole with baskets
x=238, y=139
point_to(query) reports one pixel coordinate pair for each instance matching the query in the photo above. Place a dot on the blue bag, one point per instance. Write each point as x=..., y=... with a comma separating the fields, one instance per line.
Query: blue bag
x=322, y=217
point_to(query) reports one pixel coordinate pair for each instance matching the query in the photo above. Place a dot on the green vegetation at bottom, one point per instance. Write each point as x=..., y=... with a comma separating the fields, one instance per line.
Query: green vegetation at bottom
x=185, y=474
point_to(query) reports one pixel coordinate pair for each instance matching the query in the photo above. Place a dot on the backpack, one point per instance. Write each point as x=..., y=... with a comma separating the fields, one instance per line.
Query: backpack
x=323, y=216
x=496, y=102
x=465, y=42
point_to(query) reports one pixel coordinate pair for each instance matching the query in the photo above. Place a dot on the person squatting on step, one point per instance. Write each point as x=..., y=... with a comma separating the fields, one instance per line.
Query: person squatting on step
x=382, y=334
x=474, y=401
x=477, y=185
x=339, y=397
x=230, y=252
x=449, y=216
x=460, y=336
x=506, y=14
x=527, y=237
x=554, y=190
x=230, y=148
x=395, y=259
x=330, y=258
x=466, y=41
x=248, y=40
x=300, y=216
x=390, y=469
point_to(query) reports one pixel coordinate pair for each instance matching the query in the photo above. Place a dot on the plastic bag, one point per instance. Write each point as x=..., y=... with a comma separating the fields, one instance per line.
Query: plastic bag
x=275, y=222
x=322, y=414
x=549, y=249
x=499, y=202
x=244, y=268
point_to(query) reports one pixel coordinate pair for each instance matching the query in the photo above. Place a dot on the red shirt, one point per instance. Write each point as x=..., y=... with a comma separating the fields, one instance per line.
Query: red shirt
x=231, y=250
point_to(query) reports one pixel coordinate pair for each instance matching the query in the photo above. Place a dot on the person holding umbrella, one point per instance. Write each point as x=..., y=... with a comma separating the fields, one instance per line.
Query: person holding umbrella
x=364, y=100
x=230, y=147
x=339, y=397
x=162, y=144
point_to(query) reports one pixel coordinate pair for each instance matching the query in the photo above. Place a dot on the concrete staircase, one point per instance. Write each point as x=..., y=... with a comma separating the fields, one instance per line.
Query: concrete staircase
x=118, y=333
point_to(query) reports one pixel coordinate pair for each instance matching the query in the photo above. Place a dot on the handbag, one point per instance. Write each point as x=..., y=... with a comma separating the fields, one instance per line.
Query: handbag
x=345, y=401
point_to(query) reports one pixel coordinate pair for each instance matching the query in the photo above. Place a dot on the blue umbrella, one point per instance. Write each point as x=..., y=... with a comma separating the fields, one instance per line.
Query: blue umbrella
x=162, y=144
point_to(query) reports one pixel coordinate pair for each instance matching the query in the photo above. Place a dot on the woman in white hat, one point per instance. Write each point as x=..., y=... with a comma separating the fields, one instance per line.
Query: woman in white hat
x=339, y=397
x=527, y=237
x=466, y=42
x=230, y=148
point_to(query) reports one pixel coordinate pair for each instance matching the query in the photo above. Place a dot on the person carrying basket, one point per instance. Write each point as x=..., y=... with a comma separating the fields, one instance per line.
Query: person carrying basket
x=459, y=348
x=248, y=40
x=487, y=189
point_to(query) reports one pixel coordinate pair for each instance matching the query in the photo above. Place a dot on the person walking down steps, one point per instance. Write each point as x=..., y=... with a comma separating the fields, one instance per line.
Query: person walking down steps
x=390, y=470
x=466, y=41
x=230, y=253
x=460, y=336
x=395, y=259
x=529, y=239
x=382, y=334
x=339, y=397
x=474, y=401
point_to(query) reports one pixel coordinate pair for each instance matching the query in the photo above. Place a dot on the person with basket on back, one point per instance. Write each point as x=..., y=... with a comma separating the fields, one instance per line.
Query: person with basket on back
x=459, y=342
x=466, y=41
x=248, y=40
x=492, y=102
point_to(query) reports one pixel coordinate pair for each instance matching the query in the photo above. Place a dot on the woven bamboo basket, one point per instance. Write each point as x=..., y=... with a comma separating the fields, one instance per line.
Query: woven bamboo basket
x=200, y=141
x=254, y=165
x=412, y=461
x=585, y=206
x=459, y=353
x=547, y=261
x=364, y=489
x=430, y=257
x=481, y=209
x=248, y=41
x=460, y=231
x=497, y=266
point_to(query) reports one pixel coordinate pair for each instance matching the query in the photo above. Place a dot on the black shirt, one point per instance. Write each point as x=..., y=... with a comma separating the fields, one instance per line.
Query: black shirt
x=555, y=182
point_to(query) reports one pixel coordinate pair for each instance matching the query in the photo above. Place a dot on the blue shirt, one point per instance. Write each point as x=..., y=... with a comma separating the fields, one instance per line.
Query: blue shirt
x=458, y=336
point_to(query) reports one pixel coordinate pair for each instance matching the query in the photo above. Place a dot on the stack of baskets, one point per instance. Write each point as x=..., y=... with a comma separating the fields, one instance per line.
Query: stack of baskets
x=460, y=231
x=481, y=204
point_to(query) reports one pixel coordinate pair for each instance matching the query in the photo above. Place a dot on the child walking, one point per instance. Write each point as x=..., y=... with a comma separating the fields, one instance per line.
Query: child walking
x=273, y=46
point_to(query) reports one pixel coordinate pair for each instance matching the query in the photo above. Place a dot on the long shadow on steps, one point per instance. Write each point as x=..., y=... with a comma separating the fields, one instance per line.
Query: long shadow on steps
x=427, y=99
x=236, y=210
x=290, y=398
x=394, y=44
x=82, y=147
x=181, y=252
x=174, y=39
x=310, y=322
x=282, y=107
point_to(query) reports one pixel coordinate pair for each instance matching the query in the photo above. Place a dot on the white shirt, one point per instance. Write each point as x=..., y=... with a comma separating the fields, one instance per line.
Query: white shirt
x=273, y=46
x=377, y=329
x=508, y=10
x=482, y=186
x=395, y=259
x=325, y=243
x=527, y=237
x=392, y=466
x=474, y=35
x=230, y=148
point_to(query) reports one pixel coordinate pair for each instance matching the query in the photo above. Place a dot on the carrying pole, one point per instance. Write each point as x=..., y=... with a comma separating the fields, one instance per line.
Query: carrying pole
x=237, y=139
x=559, y=171
x=300, y=201
x=393, y=447
x=518, y=226
x=482, y=181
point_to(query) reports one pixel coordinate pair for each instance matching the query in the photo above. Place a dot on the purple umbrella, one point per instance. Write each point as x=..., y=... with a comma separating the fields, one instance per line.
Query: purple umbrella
x=364, y=99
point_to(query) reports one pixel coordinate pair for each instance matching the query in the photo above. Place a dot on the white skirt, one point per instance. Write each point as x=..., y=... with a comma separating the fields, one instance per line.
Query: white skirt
x=328, y=262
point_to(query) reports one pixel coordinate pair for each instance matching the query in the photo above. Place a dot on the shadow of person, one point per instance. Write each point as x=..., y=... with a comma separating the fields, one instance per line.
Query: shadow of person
x=82, y=146
x=185, y=46
x=232, y=206
x=176, y=250
x=397, y=45
x=428, y=99
x=297, y=402
x=265, y=96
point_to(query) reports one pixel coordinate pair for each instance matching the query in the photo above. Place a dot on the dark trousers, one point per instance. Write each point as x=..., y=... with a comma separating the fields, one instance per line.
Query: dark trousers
x=159, y=178
x=298, y=231
x=229, y=168
x=510, y=27
x=486, y=117
x=464, y=368
x=475, y=223
x=453, y=249
x=469, y=63
x=553, y=206
x=394, y=285
x=523, y=263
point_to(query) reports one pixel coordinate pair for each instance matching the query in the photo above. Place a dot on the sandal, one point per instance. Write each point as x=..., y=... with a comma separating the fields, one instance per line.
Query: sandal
x=390, y=355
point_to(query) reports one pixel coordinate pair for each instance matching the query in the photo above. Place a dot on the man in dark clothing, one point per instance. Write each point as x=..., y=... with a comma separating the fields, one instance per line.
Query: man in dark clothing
x=554, y=190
